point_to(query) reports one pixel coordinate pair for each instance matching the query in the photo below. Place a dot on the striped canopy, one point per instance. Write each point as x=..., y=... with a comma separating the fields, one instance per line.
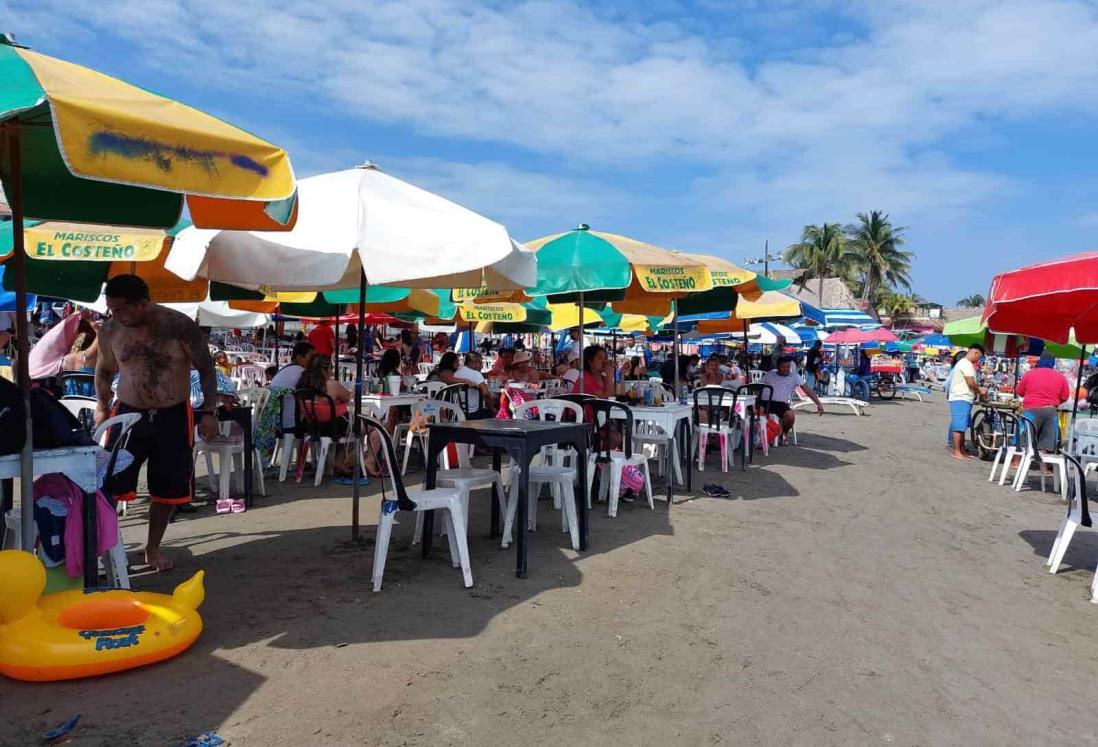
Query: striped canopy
x=837, y=318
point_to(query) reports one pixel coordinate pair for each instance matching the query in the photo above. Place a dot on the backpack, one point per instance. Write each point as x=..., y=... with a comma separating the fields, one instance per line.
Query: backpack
x=54, y=426
x=13, y=417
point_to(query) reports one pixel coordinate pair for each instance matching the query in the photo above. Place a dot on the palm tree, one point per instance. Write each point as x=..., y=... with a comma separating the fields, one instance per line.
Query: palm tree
x=975, y=301
x=894, y=305
x=875, y=253
x=821, y=253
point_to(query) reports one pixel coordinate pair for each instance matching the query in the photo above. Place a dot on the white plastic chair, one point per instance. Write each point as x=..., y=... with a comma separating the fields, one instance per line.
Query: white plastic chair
x=430, y=388
x=465, y=478
x=230, y=448
x=552, y=471
x=754, y=376
x=617, y=459
x=1031, y=456
x=447, y=500
x=1010, y=438
x=1073, y=475
x=318, y=434
x=728, y=427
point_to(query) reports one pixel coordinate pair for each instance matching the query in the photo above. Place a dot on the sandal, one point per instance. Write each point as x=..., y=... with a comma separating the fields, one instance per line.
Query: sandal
x=238, y=505
x=224, y=505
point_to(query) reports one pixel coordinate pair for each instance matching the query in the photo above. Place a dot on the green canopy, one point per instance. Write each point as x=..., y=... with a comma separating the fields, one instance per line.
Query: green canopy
x=971, y=330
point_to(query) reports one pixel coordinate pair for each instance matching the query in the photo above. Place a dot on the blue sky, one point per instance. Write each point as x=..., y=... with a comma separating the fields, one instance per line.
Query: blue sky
x=700, y=125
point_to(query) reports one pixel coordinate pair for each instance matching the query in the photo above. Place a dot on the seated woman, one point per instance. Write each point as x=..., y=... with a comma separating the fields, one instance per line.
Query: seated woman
x=711, y=374
x=317, y=376
x=634, y=370
x=223, y=363
x=445, y=369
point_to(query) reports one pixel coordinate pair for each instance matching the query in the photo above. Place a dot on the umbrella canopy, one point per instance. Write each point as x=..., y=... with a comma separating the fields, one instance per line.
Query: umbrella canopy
x=640, y=278
x=74, y=260
x=361, y=220
x=97, y=150
x=897, y=347
x=207, y=313
x=935, y=340
x=964, y=331
x=857, y=336
x=767, y=333
x=754, y=307
x=534, y=315
x=1047, y=300
x=730, y=281
x=82, y=146
x=810, y=333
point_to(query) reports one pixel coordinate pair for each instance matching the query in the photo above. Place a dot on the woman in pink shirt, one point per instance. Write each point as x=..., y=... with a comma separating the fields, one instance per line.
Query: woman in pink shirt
x=597, y=377
x=1043, y=389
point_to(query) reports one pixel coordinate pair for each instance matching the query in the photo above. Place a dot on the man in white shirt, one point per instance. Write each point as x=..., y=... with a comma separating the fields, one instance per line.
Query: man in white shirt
x=288, y=377
x=784, y=381
x=573, y=373
x=963, y=391
x=480, y=399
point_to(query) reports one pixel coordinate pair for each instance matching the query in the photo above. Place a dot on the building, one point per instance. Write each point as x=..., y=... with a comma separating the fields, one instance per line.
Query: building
x=836, y=294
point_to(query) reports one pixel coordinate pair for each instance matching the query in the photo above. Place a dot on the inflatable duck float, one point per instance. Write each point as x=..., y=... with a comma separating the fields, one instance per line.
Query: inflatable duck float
x=84, y=633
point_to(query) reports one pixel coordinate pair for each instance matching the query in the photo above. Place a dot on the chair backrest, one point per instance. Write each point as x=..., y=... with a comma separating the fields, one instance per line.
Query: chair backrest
x=754, y=376
x=1076, y=489
x=82, y=409
x=425, y=369
x=430, y=388
x=717, y=403
x=305, y=410
x=388, y=453
x=554, y=410
x=249, y=376
x=762, y=392
x=249, y=395
x=126, y=420
x=602, y=414
x=1026, y=431
x=457, y=394
x=579, y=399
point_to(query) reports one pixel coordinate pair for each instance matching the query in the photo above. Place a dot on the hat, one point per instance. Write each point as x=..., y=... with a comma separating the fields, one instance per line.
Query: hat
x=522, y=356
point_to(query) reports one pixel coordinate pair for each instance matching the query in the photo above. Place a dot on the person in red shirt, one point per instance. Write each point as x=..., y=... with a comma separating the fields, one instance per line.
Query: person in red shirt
x=323, y=339
x=1043, y=389
x=598, y=377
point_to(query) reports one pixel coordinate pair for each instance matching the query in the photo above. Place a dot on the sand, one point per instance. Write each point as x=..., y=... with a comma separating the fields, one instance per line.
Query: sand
x=860, y=588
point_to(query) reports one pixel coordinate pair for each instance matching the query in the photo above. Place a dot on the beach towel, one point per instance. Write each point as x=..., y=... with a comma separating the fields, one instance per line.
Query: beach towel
x=57, y=488
x=48, y=354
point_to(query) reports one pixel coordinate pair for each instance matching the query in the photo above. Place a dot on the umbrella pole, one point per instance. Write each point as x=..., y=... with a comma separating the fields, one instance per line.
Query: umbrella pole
x=336, y=346
x=582, y=372
x=1078, y=386
x=357, y=424
x=675, y=348
x=472, y=339
x=22, y=371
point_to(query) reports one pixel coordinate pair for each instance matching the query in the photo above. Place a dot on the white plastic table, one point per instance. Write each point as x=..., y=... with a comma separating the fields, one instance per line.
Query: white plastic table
x=75, y=462
x=382, y=402
x=672, y=418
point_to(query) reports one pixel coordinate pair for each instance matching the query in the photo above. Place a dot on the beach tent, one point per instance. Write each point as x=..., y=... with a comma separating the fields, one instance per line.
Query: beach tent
x=767, y=333
x=854, y=336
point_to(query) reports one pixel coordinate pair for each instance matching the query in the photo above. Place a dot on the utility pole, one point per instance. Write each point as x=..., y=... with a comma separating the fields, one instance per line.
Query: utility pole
x=765, y=259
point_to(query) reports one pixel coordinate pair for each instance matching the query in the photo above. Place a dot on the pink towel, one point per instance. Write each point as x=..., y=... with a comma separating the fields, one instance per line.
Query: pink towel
x=63, y=489
x=48, y=354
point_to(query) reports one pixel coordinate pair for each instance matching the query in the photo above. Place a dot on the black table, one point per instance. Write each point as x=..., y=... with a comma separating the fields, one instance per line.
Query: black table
x=521, y=439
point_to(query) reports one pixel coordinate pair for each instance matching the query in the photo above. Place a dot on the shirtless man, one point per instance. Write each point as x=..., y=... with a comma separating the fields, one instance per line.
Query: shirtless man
x=153, y=350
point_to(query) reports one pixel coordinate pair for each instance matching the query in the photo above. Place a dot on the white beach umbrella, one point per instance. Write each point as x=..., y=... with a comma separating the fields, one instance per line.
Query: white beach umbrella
x=207, y=313
x=397, y=233
x=767, y=333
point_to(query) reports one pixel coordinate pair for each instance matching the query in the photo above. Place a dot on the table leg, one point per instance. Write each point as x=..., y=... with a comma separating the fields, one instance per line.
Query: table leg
x=249, y=451
x=687, y=440
x=497, y=465
x=434, y=448
x=91, y=542
x=750, y=412
x=672, y=455
x=581, y=500
x=521, y=513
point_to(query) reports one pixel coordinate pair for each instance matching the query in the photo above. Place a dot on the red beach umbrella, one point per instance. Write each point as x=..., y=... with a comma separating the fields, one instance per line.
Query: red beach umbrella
x=1047, y=300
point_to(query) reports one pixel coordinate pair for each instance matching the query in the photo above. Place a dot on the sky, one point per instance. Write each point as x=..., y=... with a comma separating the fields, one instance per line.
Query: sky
x=702, y=125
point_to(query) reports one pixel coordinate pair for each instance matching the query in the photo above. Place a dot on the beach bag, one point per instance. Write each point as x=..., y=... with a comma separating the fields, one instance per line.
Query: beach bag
x=773, y=429
x=13, y=418
x=54, y=426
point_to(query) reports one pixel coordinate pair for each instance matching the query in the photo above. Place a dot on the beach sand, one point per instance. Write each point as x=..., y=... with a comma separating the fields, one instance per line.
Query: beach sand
x=861, y=588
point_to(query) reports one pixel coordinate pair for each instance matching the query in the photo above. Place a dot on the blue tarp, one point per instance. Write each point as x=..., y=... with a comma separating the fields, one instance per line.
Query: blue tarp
x=7, y=298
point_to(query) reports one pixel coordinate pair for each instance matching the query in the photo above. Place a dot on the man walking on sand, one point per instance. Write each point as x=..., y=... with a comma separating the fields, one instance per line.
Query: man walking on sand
x=963, y=391
x=153, y=349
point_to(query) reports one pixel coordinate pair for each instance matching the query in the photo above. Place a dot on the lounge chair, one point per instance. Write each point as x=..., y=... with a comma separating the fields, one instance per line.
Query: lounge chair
x=857, y=405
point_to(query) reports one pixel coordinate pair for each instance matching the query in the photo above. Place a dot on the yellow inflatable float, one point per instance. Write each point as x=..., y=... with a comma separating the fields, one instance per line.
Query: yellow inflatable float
x=81, y=633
